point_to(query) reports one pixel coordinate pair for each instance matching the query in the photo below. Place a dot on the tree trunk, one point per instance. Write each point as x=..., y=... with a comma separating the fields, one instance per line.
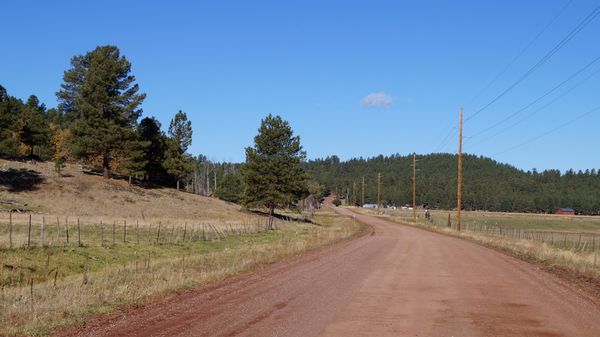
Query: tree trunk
x=105, y=165
x=178, y=184
x=129, y=185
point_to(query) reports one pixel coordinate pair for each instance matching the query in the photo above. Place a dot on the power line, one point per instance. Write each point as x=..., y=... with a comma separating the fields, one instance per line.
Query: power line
x=539, y=98
x=444, y=142
x=550, y=131
x=531, y=114
x=589, y=18
x=454, y=129
x=534, y=40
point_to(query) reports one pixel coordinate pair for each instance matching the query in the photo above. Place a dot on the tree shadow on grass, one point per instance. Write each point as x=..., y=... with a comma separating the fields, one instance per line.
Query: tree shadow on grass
x=285, y=217
x=19, y=180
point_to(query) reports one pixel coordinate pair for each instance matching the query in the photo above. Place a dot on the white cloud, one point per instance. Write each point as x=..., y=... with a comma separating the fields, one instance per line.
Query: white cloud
x=377, y=100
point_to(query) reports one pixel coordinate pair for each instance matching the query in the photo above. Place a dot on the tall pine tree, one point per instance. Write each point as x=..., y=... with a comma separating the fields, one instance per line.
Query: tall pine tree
x=272, y=173
x=101, y=97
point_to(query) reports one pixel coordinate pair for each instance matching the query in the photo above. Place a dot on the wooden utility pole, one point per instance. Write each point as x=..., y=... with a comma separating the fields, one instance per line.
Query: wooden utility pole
x=459, y=189
x=379, y=190
x=415, y=186
x=363, y=192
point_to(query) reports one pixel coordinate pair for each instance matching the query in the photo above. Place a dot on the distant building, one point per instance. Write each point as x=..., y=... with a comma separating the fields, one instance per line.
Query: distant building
x=370, y=206
x=565, y=211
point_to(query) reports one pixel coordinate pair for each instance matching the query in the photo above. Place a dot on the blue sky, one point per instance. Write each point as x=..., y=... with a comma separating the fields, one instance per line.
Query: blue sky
x=315, y=63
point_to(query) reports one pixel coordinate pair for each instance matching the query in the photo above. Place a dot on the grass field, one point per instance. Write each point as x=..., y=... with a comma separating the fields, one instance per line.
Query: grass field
x=127, y=245
x=571, y=242
x=69, y=283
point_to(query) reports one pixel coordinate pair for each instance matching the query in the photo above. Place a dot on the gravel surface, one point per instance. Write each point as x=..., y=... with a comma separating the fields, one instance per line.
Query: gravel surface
x=398, y=281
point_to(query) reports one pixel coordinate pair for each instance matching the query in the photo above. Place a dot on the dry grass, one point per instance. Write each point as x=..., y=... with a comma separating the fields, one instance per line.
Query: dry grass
x=93, y=198
x=583, y=261
x=76, y=296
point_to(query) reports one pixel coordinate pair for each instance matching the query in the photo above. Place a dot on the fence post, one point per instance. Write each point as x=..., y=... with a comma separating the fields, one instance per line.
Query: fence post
x=29, y=232
x=67, y=228
x=114, y=231
x=43, y=224
x=78, y=233
x=124, y=231
x=158, y=233
x=10, y=229
x=184, y=231
x=57, y=230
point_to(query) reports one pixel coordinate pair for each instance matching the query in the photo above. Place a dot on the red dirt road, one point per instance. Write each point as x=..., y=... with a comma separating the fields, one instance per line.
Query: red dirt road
x=400, y=281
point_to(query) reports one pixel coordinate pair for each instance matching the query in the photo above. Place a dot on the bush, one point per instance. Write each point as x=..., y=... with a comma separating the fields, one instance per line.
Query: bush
x=337, y=202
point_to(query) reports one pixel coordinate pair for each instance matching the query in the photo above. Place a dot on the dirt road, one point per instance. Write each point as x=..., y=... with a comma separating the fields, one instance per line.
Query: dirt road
x=400, y=281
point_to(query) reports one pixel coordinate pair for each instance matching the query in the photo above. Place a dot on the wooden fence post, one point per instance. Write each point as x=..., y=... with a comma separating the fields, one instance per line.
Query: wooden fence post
x=43, y=224
x=67, y=228
x=10, y=229
x=78, y=233
x=57, y=230
x=29, y=232
x=184, y=231
x=124, y=231
x=158, y=233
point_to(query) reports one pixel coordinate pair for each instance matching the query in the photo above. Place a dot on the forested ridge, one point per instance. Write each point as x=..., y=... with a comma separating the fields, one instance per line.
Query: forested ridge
x=487, y=184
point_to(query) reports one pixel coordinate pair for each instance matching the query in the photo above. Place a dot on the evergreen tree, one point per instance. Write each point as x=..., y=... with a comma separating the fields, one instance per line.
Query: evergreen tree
x=149, y=131
x=176, y=163
x=137, y=158
x=230, y=188
x=100, y=95
x=180, y=130
x=273, y=175
x=10, y=109
x=33, y=126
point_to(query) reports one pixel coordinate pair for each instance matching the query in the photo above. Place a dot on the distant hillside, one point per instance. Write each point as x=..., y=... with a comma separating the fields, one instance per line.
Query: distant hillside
x=488, y=185
x=35, y=187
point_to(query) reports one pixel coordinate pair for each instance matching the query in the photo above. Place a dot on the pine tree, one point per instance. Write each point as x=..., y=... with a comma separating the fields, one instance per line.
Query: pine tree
x=180, y=130
x=176, y=163
x=33, y=127
x=10, y=109
x=100, y=95
x=149, y=131
x=272, y=173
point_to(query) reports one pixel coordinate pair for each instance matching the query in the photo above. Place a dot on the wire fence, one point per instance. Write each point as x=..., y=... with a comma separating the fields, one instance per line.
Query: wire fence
x=574, y=241
x=19, y=230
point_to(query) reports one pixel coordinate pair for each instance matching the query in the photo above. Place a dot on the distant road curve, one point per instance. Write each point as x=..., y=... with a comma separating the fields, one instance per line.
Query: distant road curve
x=400, y=281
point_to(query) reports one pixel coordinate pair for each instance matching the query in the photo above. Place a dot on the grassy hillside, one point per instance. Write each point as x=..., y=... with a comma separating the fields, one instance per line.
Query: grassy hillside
x=35, y=187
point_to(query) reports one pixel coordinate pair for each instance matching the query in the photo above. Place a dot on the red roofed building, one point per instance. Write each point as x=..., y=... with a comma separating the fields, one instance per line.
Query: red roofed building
x=565, y=211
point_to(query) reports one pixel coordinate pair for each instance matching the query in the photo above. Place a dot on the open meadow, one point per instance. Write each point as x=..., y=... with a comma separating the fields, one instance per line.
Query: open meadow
x=572, y=242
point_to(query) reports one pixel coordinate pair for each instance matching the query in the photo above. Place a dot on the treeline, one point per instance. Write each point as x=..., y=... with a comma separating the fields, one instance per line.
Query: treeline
x=98, y=123
x=487, y=184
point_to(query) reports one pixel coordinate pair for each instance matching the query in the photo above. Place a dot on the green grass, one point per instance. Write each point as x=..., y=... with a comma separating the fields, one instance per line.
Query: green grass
x=542, y=222
x=100, y=280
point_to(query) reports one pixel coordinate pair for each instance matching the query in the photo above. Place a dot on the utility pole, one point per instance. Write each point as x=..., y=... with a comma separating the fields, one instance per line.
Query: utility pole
x=459, y=190
x=379, y=190
x=415, y=186
x=363, y=192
